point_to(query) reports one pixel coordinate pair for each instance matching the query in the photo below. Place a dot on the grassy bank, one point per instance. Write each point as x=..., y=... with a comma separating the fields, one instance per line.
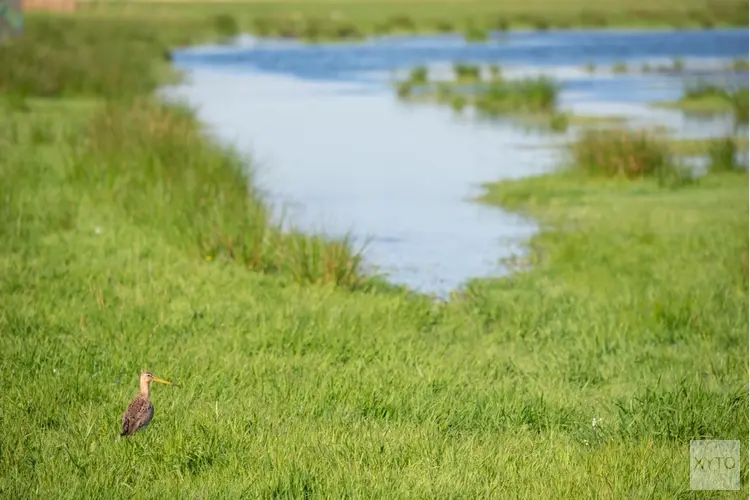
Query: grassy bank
x=129, y=242
x=346, y=19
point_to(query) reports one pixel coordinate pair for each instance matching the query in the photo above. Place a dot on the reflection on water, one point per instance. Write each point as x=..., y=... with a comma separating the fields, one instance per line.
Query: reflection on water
x=336, y=150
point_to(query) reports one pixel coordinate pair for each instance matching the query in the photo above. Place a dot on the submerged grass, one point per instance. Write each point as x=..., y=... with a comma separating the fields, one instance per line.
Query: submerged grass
x=491, y=97
x=467, y=72
x=129, y=243
x=530, y=95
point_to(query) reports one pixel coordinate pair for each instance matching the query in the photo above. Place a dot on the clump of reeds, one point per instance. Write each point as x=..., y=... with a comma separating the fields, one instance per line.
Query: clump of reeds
x=346, y=30
x=722, y=155
x=626, y=153
x=226, y=25
x=541, y=24
x=401, y=23
x=466, y=72
x=592, y=19
x=419, y=75
x=404, y=89
x=474, y=33
x=619, y=68
x=703, y=19
x=458, y=102
x=314, y=29
x=559, y=122
x=738, y=101
x=528, y=95
x=495, y=72
x=492, y=97
x=444, y=26
x=311, y=29
x=501, y=24
x=263, y=26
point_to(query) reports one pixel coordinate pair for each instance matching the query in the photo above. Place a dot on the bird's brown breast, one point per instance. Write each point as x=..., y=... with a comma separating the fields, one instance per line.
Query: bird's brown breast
x=138, y=415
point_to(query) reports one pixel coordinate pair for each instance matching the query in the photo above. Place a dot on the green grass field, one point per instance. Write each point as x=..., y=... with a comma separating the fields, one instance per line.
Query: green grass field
x=130, y=243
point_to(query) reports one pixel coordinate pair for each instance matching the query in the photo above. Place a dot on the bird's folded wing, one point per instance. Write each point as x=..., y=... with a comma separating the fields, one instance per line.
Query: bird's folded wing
x=136, y=413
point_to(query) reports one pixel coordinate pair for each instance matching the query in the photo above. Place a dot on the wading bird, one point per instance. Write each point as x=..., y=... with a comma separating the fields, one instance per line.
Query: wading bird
x=140, y=411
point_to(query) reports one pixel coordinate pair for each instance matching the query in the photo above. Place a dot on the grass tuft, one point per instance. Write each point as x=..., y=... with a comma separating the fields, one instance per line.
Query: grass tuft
x=401, y=23
x=620, y=153
x=226, y=25
x=419, y=75
x=474, y=33
x=529, y=95
x=467, y=72
x=619, y=68
x=722, y=156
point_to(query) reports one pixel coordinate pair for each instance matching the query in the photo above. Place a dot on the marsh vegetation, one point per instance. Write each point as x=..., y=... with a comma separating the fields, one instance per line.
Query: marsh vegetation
x=491, y=94
x=530, y=101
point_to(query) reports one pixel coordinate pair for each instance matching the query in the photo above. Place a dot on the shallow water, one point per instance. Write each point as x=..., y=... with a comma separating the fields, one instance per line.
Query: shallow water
x=334, y=147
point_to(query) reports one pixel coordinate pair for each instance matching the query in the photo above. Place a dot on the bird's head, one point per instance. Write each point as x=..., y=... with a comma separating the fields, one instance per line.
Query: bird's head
x=148, y=377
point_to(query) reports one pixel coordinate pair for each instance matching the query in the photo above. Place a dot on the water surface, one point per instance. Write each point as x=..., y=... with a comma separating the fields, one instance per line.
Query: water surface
x=340, y=154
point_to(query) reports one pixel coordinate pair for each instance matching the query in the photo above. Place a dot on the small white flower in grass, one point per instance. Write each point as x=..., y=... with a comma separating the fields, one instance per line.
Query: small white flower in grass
x=97, y=230
x=593, y=422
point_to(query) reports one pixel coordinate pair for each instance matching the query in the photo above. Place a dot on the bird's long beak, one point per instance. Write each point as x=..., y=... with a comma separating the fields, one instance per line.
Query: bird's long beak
x=161, y=381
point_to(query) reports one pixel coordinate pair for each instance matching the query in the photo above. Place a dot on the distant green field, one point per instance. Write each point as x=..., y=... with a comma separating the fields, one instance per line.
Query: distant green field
x=130, y=242
x=354, y=18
